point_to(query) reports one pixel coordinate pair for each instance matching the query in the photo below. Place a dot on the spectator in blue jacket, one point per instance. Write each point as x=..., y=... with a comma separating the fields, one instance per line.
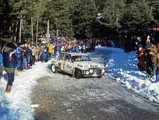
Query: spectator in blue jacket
x=58, y=48
x=9, y=63
x=77, y=48
x=44, y=56
x=1, y=64
x=73, y=49
x=25, y=57
x=19, y=54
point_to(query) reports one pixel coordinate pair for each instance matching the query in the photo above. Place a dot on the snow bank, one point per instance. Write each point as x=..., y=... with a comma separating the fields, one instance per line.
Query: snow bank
x=17, y=104
x=122, y=66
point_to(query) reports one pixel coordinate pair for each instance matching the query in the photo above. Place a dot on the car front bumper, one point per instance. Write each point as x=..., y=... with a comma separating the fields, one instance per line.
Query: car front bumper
x=96, y=72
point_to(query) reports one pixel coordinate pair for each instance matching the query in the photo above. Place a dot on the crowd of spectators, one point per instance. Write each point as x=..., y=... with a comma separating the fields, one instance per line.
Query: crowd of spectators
x=22, y=56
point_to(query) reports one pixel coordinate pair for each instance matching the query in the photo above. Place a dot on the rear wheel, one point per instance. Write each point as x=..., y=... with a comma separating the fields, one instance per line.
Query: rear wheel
x=78, y=74
x=53, y=68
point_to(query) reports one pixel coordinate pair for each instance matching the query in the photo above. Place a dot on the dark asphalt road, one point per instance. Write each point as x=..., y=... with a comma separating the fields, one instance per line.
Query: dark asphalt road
x=61, y=97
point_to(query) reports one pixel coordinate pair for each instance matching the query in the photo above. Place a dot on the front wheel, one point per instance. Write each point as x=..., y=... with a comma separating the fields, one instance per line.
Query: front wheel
x=53, y=68
x=99, y=76
x=78, y=74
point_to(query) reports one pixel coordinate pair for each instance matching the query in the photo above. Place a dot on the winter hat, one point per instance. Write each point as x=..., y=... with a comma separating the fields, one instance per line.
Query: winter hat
x=19, y=43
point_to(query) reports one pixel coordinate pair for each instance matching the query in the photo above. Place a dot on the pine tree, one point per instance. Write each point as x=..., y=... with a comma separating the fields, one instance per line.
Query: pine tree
x=136, y=15
x=112, y=13
x=84, y=16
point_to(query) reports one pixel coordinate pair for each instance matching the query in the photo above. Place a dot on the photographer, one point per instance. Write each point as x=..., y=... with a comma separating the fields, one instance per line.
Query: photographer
x=150, y=59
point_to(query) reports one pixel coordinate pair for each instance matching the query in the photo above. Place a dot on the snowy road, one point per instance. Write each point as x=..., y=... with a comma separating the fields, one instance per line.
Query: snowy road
x=61, y=97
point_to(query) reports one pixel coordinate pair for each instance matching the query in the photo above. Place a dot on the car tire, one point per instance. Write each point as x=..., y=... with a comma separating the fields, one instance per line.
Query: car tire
x=53, y=68
x=99, y=76
x=78, y=74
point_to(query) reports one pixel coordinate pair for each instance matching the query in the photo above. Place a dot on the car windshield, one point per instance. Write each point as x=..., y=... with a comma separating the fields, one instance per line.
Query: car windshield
x=81, y=58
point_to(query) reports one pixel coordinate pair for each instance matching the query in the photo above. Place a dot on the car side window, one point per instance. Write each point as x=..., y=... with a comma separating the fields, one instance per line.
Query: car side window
x=60, y=57
x=67, y=58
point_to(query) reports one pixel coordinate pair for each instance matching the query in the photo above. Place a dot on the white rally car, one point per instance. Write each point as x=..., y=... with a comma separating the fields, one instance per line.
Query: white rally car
x=77, y=64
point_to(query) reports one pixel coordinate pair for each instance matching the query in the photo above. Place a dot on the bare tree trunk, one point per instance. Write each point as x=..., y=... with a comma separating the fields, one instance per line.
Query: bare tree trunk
x=151, y=10
x=47, y=35
x=37, y=27
x=10, y=31
x=57, y=34
x=37, y=23
x=32, y=34
x=20, y=29
x=16, y=30
x=117, y=21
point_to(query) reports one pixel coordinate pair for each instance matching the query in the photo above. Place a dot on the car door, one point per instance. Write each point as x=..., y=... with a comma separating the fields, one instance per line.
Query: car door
x=63, y=63
x=60, y=60
x=68, y=66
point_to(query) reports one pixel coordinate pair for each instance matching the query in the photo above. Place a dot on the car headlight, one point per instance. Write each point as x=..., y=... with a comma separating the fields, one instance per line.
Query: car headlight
x=103, y=70
x=87, y=72
x=91, y=71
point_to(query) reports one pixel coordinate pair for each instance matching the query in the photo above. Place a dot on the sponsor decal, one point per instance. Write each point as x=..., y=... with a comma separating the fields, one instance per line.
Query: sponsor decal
x=79, y=65
x=68, y=66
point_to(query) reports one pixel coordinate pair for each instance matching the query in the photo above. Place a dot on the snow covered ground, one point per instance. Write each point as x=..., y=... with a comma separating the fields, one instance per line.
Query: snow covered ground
x=122, y=66
x=17, y=105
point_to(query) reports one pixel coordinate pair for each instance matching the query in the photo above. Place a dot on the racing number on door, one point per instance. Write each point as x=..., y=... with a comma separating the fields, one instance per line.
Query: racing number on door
x=69, y=67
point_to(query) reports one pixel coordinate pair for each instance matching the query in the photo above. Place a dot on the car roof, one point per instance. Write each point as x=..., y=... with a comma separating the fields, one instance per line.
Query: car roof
x=75, y=53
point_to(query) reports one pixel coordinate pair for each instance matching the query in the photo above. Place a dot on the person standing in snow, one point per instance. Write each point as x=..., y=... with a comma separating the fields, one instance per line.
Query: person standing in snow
x=44, y=56
x=22, y=57
x=50, y=50
x=83, y=48
x=18, y=53
x=25, y=57
x=73, y=49
x=148, y=58
x=58, y=49
x=38, y=52
x=140, y=56
x=33, y=54
x=1, y=64
x=80, y=47
x=77, y=47
x=156, y=62
x=9, y=63
x=69, y=47
x=153, y=48
x=29, y=54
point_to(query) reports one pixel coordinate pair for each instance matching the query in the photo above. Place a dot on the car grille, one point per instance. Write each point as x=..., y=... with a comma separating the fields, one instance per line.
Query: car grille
x=97, y=71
